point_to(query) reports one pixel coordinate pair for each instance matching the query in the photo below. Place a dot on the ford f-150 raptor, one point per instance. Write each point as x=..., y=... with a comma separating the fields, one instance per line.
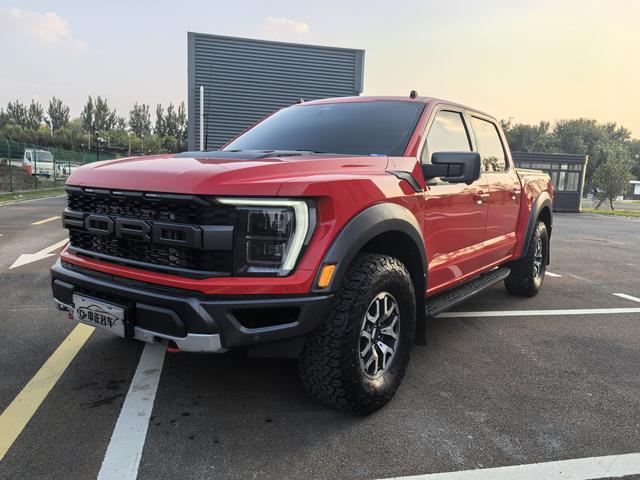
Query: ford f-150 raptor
x=328, y=232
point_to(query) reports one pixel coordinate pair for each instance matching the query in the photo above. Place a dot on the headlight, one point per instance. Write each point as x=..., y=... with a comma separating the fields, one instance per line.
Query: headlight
x=270, y=234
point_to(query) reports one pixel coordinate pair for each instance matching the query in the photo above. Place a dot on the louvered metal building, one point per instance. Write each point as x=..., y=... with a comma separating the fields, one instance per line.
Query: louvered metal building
x=245, y=80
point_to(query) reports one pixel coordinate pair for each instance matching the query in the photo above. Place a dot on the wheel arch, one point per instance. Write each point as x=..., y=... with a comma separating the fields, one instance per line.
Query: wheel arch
x=386, y=229
x=541, y=209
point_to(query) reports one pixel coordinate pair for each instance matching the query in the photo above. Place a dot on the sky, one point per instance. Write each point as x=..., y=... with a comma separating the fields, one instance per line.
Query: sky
x=525, y=60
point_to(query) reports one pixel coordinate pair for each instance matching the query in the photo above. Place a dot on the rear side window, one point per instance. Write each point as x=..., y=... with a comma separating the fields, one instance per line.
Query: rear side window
x=489, y=145
x=447, y=134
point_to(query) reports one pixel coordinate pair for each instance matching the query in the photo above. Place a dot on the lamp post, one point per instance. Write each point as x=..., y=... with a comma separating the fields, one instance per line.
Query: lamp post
x=95, y=134
x=49, y=123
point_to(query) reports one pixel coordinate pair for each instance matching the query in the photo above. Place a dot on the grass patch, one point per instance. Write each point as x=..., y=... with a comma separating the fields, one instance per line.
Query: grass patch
x=615, y=213
x=25, y=195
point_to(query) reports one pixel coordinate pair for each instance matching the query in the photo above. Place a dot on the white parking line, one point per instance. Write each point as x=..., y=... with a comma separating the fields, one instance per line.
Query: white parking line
x=578, y=469
x=124, y=452
x=628, y=297
x=551, y=274
x=534, y=313
x=26, y=258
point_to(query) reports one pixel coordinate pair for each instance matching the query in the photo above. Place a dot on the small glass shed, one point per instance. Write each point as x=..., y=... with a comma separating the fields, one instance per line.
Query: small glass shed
x=567, y=171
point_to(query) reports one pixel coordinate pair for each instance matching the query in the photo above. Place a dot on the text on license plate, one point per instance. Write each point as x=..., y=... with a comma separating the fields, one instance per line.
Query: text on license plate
x=99, y=314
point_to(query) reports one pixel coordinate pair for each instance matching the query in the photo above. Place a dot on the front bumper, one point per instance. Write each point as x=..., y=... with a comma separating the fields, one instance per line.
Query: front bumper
x=193, y=321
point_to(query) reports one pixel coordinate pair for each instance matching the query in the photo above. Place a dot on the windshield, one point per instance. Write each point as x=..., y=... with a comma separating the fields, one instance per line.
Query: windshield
x=43, y=156
x=355, y=128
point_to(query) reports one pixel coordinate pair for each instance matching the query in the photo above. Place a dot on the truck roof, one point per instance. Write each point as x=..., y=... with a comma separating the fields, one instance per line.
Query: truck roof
x=397, y=98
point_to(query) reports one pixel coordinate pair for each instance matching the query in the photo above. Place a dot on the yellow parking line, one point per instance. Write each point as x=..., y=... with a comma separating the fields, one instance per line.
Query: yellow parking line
x=46, y=220
x=19, y=412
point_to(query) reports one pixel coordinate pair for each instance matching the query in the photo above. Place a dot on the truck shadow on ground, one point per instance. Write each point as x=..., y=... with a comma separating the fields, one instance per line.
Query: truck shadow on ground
x=477, y=381
x=233, y=382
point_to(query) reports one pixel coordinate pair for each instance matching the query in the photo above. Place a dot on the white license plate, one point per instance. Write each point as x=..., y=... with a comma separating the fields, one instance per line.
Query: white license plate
x=99, y=314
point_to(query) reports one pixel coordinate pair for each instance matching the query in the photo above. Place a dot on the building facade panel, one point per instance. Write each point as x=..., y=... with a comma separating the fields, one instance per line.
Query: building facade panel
x=245, y=80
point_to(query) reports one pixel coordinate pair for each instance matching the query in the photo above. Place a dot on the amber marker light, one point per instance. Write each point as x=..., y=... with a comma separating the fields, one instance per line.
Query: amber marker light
x=326, y=274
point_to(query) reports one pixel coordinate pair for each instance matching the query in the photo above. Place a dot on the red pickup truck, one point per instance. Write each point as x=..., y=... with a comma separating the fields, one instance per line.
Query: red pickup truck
x=329, y=232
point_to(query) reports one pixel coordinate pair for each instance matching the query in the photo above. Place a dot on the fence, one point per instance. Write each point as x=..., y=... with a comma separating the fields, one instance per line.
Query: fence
x=26, y=166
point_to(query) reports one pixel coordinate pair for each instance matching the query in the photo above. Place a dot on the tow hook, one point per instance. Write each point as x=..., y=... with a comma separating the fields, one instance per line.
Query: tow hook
x=172, y=347
x=63, y=307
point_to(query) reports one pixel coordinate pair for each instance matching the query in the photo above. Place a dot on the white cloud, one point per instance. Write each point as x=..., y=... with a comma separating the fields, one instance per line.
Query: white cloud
x=44, y=28
x=277, y=25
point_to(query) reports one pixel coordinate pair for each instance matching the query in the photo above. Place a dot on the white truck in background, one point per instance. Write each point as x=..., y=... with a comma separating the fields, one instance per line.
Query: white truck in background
x=41, y=162
x=38, y=162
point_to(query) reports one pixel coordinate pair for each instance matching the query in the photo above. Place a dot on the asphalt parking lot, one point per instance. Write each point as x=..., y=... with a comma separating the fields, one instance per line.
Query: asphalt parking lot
x=502, y=381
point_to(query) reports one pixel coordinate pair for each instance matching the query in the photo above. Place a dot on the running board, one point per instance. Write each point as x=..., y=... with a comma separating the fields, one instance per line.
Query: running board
x=449, y=299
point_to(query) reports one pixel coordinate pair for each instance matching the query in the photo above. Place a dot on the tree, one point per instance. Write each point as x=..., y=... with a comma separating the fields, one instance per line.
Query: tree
x=17, y=113
x=612, y=176
x=58, y=114
x=170, y=143
x=615, y=133
x=87, y=114
x=529, y=138
x=71, y=136
x=35, y=115
x=634, y=153
x=120, y=123
x=140, y=120
x=578, y=136
x=159, y=128
x=104, y=118
x=4, y=118
x=153, y=144
x=171, y=126
x=582, y=136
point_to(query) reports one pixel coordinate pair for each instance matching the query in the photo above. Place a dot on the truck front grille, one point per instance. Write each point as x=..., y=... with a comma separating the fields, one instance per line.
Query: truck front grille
x=170, y=208
x=182, y=235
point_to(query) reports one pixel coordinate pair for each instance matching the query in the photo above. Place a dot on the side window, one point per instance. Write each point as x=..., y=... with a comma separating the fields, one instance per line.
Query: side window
x=447, y=134
x=489, y=145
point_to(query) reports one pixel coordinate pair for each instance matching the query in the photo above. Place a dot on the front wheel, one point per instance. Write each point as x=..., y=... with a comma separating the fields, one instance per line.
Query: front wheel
x=357, y=358
x=527, y=274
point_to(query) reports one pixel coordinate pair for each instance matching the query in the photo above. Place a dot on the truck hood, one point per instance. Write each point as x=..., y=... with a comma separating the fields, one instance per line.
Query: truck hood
x=206, y=174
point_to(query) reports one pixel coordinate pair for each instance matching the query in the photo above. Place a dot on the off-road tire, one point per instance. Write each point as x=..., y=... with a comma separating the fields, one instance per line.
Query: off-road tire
x=330, y=367
x=525, y=280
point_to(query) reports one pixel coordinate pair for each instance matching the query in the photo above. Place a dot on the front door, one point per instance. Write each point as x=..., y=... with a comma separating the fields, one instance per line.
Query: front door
x=455, y=214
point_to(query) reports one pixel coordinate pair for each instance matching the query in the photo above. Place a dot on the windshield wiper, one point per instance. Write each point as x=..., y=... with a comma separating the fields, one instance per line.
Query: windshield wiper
x=320, y=152
x=310, y=151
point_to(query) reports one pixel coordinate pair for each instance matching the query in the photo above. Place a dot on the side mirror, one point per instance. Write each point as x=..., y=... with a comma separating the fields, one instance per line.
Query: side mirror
x=454, y=167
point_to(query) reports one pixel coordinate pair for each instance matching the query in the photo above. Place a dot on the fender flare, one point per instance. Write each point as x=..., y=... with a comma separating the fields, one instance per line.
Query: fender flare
x=366, y=225
x=543, y=200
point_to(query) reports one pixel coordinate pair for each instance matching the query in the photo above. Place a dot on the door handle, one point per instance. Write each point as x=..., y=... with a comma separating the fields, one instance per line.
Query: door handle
x=479, y=197
x=515, y=193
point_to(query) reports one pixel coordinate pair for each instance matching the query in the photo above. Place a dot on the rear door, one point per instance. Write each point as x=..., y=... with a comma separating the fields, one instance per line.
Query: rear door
x=455, y=214
x=504, y=188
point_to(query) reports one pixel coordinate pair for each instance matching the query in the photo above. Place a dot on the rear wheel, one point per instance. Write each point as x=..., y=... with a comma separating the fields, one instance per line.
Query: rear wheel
x=357, y=358
x=527, y=274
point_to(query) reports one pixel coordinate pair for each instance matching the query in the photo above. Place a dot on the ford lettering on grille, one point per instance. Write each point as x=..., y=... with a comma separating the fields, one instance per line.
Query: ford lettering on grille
x=162, y=233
